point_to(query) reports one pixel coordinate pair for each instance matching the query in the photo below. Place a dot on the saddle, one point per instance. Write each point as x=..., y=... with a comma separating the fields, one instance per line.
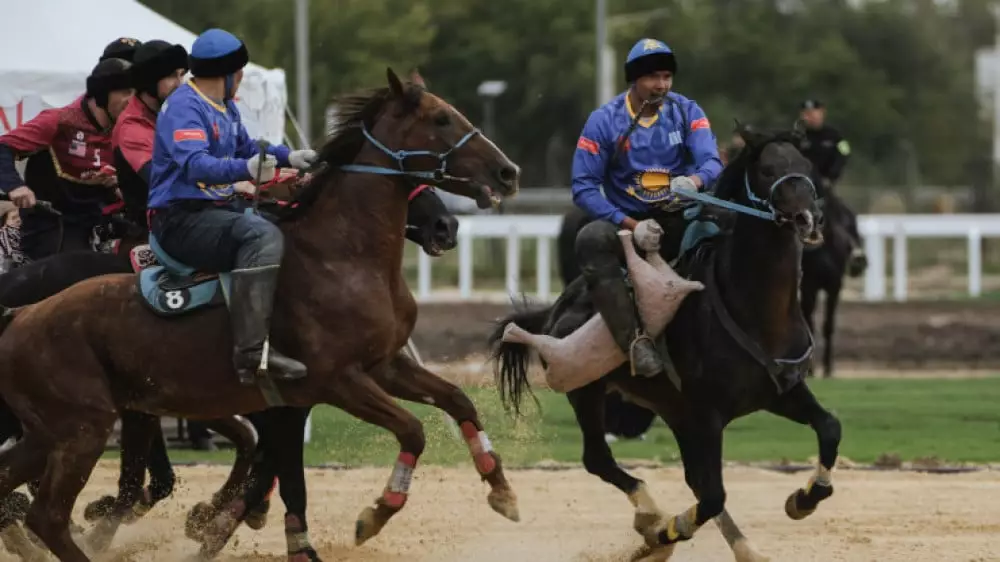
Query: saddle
x=171, y=288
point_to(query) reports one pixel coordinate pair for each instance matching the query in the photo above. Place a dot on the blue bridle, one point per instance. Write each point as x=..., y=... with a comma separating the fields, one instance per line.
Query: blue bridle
x=763, y=208
x=434, y=176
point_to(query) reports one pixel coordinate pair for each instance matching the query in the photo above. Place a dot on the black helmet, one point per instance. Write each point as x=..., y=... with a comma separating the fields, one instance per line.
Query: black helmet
x=109, y=75
x=155, y=60
x=121, y=48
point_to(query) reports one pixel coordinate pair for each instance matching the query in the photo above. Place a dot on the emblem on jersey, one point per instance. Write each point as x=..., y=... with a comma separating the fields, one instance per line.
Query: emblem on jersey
x=651, y=186
x=588, y=145
x=77, y=148
x=181, y=135
x=652, y=45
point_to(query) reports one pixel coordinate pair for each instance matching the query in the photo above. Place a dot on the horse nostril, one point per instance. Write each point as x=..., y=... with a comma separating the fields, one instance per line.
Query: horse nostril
x=508, y=174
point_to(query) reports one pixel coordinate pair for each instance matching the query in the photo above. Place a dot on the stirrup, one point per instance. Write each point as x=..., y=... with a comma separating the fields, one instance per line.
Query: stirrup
x=631, y=349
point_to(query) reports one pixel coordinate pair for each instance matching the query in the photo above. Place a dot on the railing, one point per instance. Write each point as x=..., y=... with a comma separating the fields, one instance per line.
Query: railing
x=875, y=229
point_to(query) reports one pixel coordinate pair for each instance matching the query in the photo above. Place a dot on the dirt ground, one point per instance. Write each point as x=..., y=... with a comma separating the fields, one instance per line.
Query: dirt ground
x=573, y=516
x=913, y=335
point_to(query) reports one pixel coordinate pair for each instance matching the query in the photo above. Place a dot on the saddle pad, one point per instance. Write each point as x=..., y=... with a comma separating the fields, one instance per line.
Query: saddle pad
x=169, y=295
x=696, y=232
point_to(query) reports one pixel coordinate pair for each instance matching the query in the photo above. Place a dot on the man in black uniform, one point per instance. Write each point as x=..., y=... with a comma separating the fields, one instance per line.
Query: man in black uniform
x=829, y=151
x=823, y=146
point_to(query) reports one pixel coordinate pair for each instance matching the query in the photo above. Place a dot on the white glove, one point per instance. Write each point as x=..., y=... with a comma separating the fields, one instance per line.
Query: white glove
x=647, y=235
x=301, y=159
x=683, y=183
x=267, y=172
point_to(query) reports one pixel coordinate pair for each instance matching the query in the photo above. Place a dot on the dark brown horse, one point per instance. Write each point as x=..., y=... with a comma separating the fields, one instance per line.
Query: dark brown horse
x=343, y=309
x=737, y=347
x=824, y=267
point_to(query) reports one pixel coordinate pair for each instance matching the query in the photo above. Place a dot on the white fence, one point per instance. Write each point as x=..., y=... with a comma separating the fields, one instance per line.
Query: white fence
x=875, y=229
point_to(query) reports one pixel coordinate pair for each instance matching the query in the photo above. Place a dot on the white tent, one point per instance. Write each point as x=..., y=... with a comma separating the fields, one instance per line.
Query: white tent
x=48, y=47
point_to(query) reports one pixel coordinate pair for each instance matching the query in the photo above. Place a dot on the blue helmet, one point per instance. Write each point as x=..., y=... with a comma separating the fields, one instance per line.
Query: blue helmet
x=648, y=56
x=217, y=53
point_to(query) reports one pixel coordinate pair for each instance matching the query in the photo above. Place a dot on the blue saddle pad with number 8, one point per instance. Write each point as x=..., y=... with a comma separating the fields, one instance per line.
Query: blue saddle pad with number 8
x=173, y=288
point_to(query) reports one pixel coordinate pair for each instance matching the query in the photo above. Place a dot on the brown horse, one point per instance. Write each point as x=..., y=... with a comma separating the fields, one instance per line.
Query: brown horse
x=343, y=309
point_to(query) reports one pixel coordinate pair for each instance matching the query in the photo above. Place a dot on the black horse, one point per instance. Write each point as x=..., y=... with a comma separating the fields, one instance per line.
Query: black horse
x=429, y=224
x=824, y=267
x=727, y=344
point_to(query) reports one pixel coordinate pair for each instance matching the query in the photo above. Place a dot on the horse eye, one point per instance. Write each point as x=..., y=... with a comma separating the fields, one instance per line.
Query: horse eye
x=442, y=120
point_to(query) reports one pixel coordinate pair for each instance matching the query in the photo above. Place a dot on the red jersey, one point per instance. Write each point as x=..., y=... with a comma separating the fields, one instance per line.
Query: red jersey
x=132, y=141
x=62, y=145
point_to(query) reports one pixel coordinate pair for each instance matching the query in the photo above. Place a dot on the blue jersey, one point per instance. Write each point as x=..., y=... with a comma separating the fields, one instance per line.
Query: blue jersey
x=200, y=149
x=677, y=141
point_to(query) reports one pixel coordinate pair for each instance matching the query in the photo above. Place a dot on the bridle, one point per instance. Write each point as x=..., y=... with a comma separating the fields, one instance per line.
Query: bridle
x=435, y=176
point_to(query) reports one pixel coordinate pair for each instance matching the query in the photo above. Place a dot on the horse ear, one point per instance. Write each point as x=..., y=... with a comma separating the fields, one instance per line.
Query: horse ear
x=417, y=79
x=395, y=86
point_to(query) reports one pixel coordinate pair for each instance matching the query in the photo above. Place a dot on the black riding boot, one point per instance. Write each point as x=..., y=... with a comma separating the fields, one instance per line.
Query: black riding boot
x=250, y=312
x=612, y=299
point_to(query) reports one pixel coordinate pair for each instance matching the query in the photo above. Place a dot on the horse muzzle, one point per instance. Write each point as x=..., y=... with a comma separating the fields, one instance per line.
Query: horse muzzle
x=806, y=226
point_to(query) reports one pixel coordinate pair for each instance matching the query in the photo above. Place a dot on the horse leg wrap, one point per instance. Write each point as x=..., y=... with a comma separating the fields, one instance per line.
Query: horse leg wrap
x=398, y=487
x=480, y=447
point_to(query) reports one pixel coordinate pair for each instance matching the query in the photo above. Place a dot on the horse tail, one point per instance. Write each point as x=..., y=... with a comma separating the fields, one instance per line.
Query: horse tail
x=511, y=359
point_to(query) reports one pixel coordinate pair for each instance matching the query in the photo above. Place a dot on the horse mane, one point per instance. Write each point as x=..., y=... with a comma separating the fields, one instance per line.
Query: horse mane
x=353, y=111
x=730, y=182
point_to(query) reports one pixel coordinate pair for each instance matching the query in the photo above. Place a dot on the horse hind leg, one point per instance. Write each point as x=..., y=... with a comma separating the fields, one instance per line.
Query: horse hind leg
x=588, y=404
x=355, y=392
x=800, y=405
x=408, y=380
x=19, y=463
x=69, y=465
x=829, y=322
x=238, y=430
x=132, y=502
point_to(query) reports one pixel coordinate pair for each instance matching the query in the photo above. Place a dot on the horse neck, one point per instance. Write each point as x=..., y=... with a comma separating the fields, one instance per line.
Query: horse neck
x=359, y=217
x=760, y=281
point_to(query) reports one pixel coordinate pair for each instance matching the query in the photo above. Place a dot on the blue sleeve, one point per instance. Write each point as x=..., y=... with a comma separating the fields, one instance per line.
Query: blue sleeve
x=185, y=135
x=590, y=164
x=703, y=146
x=246, y=147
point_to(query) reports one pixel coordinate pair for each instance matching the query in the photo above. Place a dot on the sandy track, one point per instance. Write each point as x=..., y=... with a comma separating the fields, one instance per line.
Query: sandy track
x=572, y=516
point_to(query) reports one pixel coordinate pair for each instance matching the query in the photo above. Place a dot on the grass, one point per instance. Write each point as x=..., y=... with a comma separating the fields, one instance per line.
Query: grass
x=953, y=420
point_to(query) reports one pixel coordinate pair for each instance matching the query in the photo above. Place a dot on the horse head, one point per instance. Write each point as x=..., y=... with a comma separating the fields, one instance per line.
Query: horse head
x=777, y=177
x=429, y=140
x=429, y=223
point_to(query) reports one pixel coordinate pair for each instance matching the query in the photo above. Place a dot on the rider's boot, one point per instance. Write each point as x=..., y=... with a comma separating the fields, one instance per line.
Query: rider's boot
x=612, y=299
x=250, y=308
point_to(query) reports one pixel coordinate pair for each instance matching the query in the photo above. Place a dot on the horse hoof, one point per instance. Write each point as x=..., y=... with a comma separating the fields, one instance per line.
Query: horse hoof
x=99, y=509
x=660, y=553
x=216, y=534
x=792, y=506
x=256, y=519
x=367, y=526
x=197, y=519
x=745, y=553
x=648, y=524
x=504, y=502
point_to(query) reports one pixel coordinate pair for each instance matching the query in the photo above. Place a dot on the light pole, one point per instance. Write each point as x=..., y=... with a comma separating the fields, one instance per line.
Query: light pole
x=302, y=69
x=490, y=90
